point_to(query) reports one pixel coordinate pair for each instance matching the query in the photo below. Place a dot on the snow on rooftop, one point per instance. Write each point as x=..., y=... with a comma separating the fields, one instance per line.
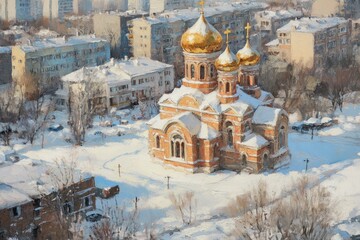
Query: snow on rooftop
x=207, y=132
x=10, y=197
x=116, y=71
x=193, y=13
x=306, y=24
x=5, y=49
x=28, y=178
x=273, y=43
x=254, y=141
x=280, y=14
x=267, y=115
x=60, y=42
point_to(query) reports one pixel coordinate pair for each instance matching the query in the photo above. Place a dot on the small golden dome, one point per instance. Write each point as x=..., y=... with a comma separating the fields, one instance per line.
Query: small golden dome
x=202, y=37
x=248, y=56
x=227, y=61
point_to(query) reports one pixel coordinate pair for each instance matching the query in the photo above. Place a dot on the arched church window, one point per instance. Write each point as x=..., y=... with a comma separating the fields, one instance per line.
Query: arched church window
x=157, y=139
x=220, y=86
x=187, y=70
x=192, y=71
x=227, y=87
x=202, y=72
x=248, y=81
x=212, y=71
x=230, y=134
x=282, y=140
x=244, y=160
x=177, y=146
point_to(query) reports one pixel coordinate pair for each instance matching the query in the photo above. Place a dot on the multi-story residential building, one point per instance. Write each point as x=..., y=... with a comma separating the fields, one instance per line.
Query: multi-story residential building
x=34, y=204
x=269, y=21
x=20, y=10
x=158, y=36
x=5, y=65
x=312, y=41
x=57, y=9
x=330, y=8
x=158, y=6
x=82, y=7
x=50, y=59
x=141, y=5
x=121, y=82
x=113, y=26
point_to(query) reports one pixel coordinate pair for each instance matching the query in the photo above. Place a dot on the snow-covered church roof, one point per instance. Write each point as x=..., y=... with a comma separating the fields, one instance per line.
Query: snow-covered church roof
x=189, y=121
x=254, y=140
x=267, y=116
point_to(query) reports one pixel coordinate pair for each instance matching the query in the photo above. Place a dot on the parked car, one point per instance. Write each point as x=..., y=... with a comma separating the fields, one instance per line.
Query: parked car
x=55, y=128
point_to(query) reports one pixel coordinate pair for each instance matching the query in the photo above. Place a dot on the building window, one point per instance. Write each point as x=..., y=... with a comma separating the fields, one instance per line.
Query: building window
x=227, y=87
x=202, y=72
x=230, y=134
x=282, y=137
x=244, y=160
x=177, y=147
x=192, y=71
x=67, y=208
x=157, y=139
x=16, y=211
x=212, y=71
x=87, y=201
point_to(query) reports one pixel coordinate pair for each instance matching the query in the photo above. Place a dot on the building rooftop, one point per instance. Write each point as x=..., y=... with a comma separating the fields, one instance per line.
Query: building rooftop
x=306, y=24
x=27, y=178
x=126, y=13
x=60, y=42
x=5, y=49
x=280, y=14
x=118, y=70
x=193, y=13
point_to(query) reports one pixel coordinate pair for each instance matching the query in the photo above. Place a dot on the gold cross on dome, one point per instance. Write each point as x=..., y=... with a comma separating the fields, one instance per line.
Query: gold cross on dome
x=202, y=3
x=248, y=27
x=227, y=32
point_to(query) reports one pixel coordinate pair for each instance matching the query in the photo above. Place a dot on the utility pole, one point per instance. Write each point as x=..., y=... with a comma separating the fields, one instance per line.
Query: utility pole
x=119, y=167
x=306, y=164
x=136, y=202
x=168, y=182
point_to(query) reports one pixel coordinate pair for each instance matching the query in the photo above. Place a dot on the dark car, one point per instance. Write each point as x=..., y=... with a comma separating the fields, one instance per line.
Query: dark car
x=56, y=128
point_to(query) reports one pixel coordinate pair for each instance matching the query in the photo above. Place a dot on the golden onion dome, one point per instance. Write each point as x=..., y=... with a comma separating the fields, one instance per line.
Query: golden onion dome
x=227, y=61
x=202, y=37
x=248, y=56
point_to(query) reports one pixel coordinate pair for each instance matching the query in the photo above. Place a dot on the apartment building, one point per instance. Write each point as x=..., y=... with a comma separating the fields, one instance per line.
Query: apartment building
x=57, y=9
x=158, y=36
x=140, y=5
x=51, y=59
x=82, y=7
x=32, y=200
x=331, y=8
x=113, y=26
x=120, y=82
x=158, y=6
x=312, y=41
x=5, y=65
x=20, y=10
x=269, y=21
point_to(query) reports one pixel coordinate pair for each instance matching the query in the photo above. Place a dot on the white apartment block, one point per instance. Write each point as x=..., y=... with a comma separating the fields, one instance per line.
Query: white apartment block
x=20, y=10
x=122, y=82
x=51, y=59
x=158, y=36
x=312, y=41
x=269, y=21
x=57, y=9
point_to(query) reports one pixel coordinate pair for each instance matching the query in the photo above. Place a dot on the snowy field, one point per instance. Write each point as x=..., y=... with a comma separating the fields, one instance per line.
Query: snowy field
x=334, y=160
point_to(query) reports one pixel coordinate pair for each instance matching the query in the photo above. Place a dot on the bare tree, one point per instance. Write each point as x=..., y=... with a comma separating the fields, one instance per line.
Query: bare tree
x=185, y=205
x=11, y=108
x=118, y=224
x=304, y=212
x=86, y=99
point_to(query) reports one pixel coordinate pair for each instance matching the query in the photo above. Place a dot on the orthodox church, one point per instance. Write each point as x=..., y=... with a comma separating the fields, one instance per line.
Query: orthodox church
x=219, y=118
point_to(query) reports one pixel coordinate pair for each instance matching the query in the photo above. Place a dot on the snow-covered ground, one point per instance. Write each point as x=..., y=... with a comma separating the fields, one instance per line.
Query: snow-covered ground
x=333, y=155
